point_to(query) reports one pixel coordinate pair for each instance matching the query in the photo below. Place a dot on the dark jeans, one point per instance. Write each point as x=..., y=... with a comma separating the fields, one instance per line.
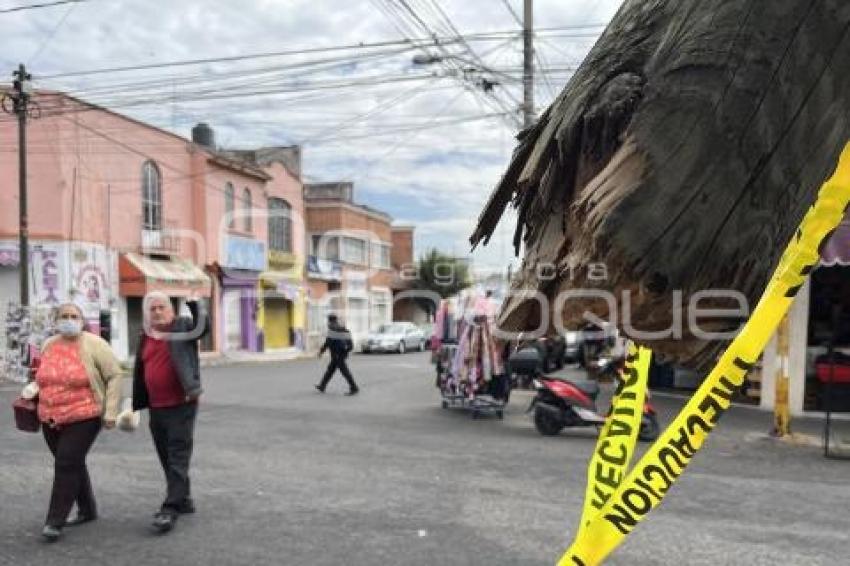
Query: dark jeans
x=173, y=431
x=338, y=364
x=70, y=445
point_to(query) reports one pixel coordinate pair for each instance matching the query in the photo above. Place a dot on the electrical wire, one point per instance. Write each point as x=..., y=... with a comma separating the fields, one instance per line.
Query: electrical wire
x=407, y=40
x=52, y=34
x=451, y=60
x=510, y=8
x=41, y=5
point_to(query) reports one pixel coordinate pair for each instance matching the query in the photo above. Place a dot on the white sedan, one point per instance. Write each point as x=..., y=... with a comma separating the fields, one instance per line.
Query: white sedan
x=398, y=337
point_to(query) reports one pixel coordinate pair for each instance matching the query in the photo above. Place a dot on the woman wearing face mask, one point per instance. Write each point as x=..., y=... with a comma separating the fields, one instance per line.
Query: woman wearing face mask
x=79, y=382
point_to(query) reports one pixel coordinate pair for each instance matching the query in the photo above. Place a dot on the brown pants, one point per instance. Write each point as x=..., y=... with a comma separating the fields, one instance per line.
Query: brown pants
x=70, y=445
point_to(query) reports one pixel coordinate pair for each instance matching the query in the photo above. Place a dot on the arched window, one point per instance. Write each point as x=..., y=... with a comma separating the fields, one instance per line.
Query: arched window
x=246, y=208
x=229, y=205
x=280, y=225
x=151, y=197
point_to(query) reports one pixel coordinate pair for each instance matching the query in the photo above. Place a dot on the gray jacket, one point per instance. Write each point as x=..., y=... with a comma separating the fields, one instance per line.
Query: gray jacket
x=184, y=357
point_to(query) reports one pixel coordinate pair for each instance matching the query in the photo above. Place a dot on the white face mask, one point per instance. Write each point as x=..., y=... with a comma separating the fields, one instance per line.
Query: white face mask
x=70, y=328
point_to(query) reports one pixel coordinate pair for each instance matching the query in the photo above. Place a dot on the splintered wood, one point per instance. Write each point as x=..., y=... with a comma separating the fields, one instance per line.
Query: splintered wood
x=682, y=154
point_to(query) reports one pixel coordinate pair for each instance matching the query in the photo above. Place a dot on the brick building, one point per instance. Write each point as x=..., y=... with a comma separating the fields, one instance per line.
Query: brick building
x=353, y=265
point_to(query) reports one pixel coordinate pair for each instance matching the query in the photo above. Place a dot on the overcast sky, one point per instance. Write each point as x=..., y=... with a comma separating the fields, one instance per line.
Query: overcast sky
x=430, y=146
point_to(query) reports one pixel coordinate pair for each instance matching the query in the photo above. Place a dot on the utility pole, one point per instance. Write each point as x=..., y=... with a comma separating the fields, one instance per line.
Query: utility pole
x=20, y=99
x=528, y=64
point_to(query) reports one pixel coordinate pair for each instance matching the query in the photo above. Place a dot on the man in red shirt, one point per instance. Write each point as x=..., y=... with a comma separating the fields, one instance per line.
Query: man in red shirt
x=166, y=380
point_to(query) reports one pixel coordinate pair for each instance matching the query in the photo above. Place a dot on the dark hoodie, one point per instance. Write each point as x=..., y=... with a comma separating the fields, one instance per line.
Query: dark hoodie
x=338, y=341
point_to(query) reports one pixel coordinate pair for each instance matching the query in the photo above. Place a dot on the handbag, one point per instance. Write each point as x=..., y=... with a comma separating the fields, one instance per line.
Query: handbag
x=128, y=419
x=26, y=415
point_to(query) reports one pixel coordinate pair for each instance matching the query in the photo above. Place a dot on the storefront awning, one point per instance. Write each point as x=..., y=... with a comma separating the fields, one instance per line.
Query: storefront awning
x=140, y=274
x=282, y=283
x=837, y=250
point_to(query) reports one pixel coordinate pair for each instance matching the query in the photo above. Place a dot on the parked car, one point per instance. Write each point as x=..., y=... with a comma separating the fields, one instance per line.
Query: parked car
x=427, y=329
x=398, y=337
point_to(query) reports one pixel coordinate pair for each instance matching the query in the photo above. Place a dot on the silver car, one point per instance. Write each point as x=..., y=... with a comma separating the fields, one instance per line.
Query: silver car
x=398, y=337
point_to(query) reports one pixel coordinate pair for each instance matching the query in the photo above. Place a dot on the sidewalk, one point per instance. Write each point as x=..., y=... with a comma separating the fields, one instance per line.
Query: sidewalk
x=234, y=358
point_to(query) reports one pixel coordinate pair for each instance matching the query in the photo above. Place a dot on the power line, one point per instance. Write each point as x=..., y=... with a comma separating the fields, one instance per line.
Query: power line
x=538, y=56
x=413, y=41
x=48, y=145
x=399, y=21
x=383, y=107
x=450, y=59
x=42, y=5
x=469, y=50
x=396, y=146
x=309, y=67
x=229, y=93
x=52, y=34
x=225, y=59
x=510, y=8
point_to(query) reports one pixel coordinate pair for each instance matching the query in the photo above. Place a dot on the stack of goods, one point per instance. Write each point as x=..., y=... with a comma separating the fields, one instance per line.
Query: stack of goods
x=477, y=361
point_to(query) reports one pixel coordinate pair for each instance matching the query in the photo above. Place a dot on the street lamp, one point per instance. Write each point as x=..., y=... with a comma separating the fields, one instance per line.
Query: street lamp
x=487, y=85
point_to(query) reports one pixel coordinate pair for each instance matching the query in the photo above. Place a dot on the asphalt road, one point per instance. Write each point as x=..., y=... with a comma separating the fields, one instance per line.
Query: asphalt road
x=285, y=475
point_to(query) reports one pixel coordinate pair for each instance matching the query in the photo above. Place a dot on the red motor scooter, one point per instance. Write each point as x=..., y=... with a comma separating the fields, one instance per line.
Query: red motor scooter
x=562, y=403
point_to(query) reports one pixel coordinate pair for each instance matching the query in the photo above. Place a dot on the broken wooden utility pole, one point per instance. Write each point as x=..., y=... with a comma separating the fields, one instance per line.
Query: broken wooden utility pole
x=682, y=154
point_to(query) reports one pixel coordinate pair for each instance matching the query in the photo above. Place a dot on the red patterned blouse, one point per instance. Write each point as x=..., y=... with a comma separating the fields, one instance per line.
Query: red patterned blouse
x=65, y=395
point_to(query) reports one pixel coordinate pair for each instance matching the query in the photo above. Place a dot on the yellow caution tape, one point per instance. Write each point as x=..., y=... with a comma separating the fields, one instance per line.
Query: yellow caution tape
x=618, y=437
x=650, y=480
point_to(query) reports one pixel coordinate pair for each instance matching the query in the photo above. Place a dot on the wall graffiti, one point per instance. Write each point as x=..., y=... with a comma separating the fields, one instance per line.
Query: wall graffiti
x=26, y=330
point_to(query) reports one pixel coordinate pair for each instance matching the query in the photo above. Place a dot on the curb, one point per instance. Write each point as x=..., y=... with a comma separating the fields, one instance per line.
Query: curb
x=224, y=361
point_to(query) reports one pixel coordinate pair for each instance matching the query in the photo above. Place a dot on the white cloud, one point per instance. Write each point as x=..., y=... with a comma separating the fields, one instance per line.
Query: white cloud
x=445, y=173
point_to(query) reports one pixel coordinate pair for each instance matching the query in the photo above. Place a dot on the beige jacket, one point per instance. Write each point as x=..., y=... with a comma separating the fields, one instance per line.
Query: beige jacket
x=104, y=371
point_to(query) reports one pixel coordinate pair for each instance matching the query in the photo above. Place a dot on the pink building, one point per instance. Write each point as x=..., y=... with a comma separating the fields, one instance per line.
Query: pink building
x=282, y=314
x=118, y=208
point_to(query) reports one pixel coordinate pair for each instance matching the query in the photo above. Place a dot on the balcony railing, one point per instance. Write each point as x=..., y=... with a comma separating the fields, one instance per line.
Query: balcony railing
x=327, y=269
x=162, y=241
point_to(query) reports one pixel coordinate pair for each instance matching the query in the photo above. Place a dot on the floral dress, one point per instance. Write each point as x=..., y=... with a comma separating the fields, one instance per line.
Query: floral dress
x=65, y=395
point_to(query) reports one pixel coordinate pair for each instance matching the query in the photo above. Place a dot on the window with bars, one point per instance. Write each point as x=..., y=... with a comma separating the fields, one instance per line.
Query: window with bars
x=381, y=255
x=354, y=251
x=151, y=197
x=230, y=205
x=280, y=225
x=247, y=205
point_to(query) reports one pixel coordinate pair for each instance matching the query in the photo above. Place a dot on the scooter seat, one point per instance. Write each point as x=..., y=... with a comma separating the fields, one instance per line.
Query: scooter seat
x=590, y=388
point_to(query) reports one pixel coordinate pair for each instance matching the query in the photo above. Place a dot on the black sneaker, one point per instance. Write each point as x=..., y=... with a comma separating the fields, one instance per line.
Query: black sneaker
x=353, y=392
x=319, y=388
x=164, y=521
